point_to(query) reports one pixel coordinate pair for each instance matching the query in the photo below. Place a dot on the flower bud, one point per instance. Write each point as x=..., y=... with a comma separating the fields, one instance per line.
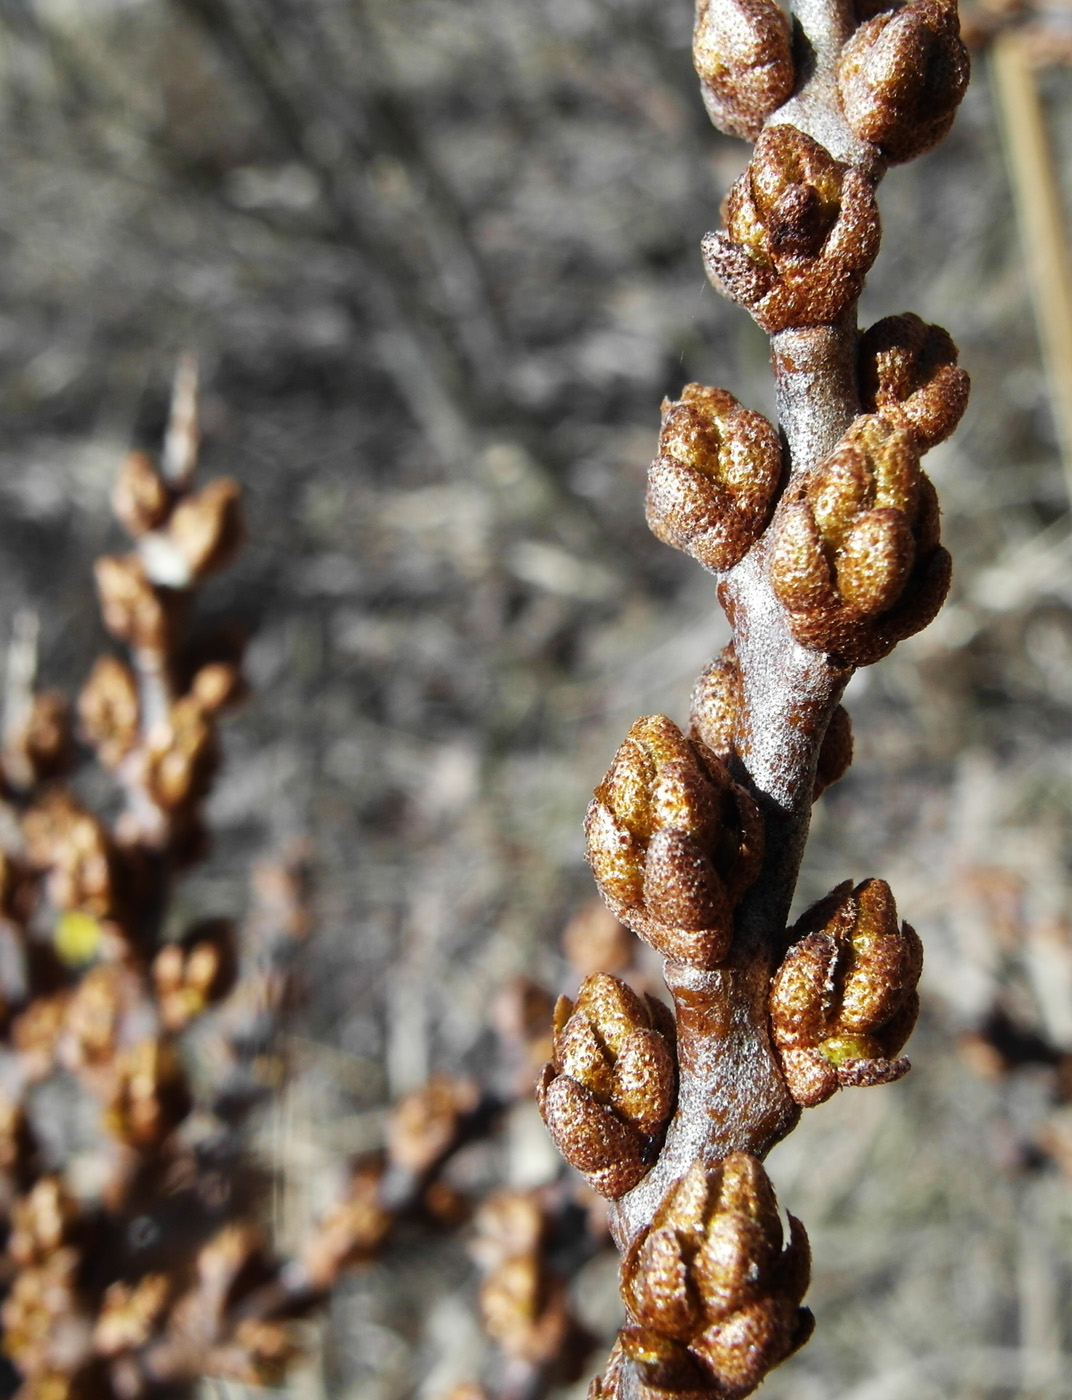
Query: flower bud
x=523, y=1304
x=428, y=1122
x=844, y=1000
x=135, y=610
x=855, y=558
x=718, y=712
x=902, y=76
x=206, y=528
x=801, y=232
x=74, y=848
x=150, y=1096
x=181, y=755
x=130, y=1313
x=191, y=975
x=109, y=710
x=352, y=1233
x=711, y=489
x=742, y=50
x=608, y=1093
x=217, y=686
x=715, y=1297
x=140, y=499
x=909, y=374
x=41, y=744
x=673, y=842
x=835, y=755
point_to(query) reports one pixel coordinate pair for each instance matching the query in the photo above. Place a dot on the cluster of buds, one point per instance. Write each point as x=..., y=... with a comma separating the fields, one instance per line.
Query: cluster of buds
x=855, y=557
x=743, y=54
x=801, y=232
x=523, y=1302
x=844, y=1000
x=902, y=76
x=717, y=719
x=182, y=536
x=673, y=842
x=608, y=1092
x=711, y=488
x=713, y=1296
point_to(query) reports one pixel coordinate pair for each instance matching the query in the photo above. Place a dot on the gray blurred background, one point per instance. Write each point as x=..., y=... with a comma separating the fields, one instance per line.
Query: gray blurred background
x=440, y=263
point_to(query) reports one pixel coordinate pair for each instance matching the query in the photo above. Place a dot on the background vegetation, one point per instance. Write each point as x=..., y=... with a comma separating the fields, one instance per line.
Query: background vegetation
x=440, y=262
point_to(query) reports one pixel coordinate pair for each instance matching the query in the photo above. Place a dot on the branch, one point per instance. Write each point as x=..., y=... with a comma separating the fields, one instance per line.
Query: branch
x=824, y=541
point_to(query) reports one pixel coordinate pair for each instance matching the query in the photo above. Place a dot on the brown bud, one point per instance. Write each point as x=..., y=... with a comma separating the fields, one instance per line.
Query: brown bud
x=673, y=842
x=109, y=711
x=181, y=756
x=135, y=610
x=523, y=1304
x=42, y=1311
x=909, y=374
x=855, y=558
x=801, y=232
x=743, y=54
x=844, y=1000
x=191, y=975
x=716, y=705
x=150, y=1096
x=41, y=744
x=716, y=1297
x=595, y=941
x=902, y=76
x=217, y=686
x=835, y=755
x=426, y=1123
x=608, y=1093
x=711, y=489
x=42, y=1221
x=352, y=1233
x=140, y=499
x=74, y=849
x=130, y=1313
x=36, y=1033
x=206, y=528
x=95, y=1012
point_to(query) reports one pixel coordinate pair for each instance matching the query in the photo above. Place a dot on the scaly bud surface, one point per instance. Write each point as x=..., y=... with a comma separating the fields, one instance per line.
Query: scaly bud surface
x=801, y=232
x=909, y=374
x=711, y=489
x=608, y=1092
x=844, y=1000
x=902, y=76
x=673, y=842
x=742, y=50
x=855, y=558
x=715, y=1298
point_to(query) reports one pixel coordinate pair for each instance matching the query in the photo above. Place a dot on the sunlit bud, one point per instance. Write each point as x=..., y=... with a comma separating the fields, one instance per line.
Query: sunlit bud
x=673, y=842
x=909, y=374
x=844, y=1000
x=608, y=1093
x=711, y=489
x=140, y=498
x=743, y=54
x=902, y=76
x=801, y=232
